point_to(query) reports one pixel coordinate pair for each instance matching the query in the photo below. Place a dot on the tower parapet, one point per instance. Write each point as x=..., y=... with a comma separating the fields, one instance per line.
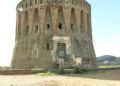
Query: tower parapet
x=26, y=4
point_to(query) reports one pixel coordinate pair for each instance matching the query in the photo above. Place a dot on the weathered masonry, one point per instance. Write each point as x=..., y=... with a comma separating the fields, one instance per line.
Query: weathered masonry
x=53, y=34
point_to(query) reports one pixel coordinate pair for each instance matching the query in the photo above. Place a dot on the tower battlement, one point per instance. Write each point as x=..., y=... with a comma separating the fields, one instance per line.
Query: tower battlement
x=26, y=4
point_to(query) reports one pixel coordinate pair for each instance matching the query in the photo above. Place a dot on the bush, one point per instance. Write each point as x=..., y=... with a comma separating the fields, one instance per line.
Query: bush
x=46, y=74
x=67, y=71
x=82, y=71
x=78, y=70
x=61, y=71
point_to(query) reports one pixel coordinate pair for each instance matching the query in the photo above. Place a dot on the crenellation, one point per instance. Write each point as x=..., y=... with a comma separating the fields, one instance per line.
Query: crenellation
x=34, y=3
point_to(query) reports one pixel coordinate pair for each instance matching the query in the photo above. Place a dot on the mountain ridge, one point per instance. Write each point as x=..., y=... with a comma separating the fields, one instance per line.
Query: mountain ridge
x=108, y=59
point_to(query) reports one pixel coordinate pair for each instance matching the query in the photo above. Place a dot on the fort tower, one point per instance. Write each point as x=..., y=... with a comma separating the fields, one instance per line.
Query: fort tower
x=52, y=31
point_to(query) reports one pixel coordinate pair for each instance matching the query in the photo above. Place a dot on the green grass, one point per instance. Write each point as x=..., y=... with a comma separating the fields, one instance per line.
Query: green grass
x=84, y=71
x=66, y=71
x=110, y=66
x=46, y=74
x=11, y=84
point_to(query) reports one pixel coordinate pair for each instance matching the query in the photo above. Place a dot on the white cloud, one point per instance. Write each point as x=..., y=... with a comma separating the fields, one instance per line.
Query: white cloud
x=105, y=47
x=110, y=46
x=7, y=31
x=116, y=37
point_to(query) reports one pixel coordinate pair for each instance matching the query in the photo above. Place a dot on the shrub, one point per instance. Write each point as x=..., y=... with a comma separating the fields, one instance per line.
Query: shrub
x=46, y=74
x=61, y=71
x=82, y=71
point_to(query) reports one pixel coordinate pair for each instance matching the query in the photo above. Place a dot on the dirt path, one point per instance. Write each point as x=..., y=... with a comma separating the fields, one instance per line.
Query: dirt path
x=109, y=78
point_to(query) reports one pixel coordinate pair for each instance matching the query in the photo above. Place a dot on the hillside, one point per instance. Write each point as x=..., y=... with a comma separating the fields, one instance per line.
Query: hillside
x=108, y=59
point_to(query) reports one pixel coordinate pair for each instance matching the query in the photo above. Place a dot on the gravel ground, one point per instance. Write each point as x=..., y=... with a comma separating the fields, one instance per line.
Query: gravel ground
x=109, y=78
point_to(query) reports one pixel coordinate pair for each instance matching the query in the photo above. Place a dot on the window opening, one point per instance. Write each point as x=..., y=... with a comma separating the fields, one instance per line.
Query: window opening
x=72, y=27
x=30, y=3
x=35, y=1
x=26, y=30
x=60, y=26
x=47, y=46
x=48, y=26
x=36, y=28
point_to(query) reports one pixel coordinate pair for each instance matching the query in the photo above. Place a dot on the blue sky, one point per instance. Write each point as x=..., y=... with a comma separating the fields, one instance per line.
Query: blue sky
x=105, y=25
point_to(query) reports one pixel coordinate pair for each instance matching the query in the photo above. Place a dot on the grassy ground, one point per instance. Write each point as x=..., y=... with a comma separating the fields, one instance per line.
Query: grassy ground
x=102, y=78
x=46, y=74
x=108, y=66
x=78, y=71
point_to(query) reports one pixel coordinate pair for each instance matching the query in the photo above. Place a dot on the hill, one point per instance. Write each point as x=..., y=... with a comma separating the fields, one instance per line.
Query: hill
x=108, y=59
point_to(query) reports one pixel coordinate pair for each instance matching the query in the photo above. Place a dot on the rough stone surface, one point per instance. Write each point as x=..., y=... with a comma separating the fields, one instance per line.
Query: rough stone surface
x=47, y=31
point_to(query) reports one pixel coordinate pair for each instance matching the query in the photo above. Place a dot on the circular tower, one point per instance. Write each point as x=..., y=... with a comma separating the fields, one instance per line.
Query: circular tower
x=53, y=33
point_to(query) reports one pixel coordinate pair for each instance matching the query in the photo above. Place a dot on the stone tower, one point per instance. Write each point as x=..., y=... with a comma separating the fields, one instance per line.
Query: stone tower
x=53, y=33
